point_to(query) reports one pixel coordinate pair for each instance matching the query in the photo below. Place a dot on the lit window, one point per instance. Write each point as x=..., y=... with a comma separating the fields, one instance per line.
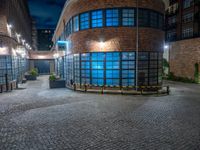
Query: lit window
x=188, y=32
x=128, y=17
x=187, y=3
x=188, y=17
x=112, y=17
x=171, y=34
x=84, y=21
x=97, y=18
x=172, y=20
x=76, y=23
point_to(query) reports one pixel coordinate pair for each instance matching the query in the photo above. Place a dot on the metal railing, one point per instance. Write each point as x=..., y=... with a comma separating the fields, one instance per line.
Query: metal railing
x=139, y=90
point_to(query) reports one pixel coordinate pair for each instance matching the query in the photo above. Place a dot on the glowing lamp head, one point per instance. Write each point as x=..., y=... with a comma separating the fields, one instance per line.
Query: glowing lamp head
x=101, y=44
x=56, y=55
x=10, y=26
x=166, y=46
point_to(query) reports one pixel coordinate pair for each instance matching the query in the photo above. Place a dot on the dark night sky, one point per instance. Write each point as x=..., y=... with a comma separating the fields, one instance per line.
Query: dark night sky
x=46, y=12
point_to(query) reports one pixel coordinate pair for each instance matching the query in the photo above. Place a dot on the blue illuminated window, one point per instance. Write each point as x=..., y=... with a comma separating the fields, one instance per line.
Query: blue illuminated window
x=112, y=65
x=97, y=18
x=71, y=26
x=98, y=82
x=85, y=73
x=128, y=55
x=114, y=56
x=76, y=68
x=85, y=57
x=112, y=73
x=85, y=68
x=128, y=82
x=143, y=56
x=97, y=68
x=128, y=64
x=84, y=21
x=112, y=17
x=128, y=17
x=85, y=65
x=97, y=65
x=98, y=56
x=112, y=82
x=76, y=23
x=97, y=73
x=113, y=69
x=128, y=74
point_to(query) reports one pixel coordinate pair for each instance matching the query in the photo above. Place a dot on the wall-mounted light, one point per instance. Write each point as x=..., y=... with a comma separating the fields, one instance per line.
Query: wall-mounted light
x=56, y=55
x=9, y=26
x=166, y=46
x=18, y=35
x=3, y=50
x=41, y=57
x=102, y=44
x=9, y=29
x=23, y=41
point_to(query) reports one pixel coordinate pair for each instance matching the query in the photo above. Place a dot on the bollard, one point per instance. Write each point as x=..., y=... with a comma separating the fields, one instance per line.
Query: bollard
x=85, y=87
x=74, y=87
x=102, y=89
x=168, y=90
x=7, y=86
x=1, y=89
x=11, y=86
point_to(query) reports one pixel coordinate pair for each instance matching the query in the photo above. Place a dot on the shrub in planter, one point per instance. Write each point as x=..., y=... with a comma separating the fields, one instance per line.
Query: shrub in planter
x=52, y=77
x=56, y=83
x=32, y=75
x=34, y=72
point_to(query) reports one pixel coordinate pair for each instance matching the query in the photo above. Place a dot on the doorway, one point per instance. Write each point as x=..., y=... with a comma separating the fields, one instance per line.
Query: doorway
x=43, y=66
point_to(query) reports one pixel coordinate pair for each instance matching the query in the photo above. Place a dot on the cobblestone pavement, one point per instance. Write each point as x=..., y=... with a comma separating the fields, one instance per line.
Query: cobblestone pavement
x=38, y=118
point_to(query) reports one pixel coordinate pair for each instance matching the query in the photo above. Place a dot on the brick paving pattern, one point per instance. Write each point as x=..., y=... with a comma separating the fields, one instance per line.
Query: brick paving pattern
x=38, y=118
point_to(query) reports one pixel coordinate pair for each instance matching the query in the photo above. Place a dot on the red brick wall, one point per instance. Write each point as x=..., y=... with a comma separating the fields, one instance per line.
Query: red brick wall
x=116, y=39
x=183, y=56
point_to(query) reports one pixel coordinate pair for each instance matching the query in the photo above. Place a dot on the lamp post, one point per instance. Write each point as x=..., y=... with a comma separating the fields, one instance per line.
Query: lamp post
x=137, y=43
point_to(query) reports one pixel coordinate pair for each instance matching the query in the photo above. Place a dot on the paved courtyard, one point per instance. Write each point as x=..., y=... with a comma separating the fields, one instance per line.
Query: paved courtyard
x=37, y=118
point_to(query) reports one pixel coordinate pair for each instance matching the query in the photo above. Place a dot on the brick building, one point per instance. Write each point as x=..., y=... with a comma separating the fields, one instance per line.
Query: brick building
x=183, y=36
x=15, y=39
x=45, y=39
x=106, y=43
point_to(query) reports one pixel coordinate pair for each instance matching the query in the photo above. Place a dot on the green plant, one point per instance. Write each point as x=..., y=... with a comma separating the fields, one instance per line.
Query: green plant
x=52, y=77
x=34, y=72
x=165, y=63
x=172, y=77
x=165, y=67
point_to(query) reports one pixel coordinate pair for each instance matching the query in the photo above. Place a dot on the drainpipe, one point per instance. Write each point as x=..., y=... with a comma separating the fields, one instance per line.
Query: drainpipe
x=137, y=43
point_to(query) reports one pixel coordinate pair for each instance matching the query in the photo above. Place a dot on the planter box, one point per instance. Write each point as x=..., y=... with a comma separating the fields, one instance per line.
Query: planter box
x=30, y=77
x=57, y=84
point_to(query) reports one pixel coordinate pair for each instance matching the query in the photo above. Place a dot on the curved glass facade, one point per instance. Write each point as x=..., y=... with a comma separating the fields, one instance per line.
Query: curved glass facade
x=114, y=17
x=111, y=68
